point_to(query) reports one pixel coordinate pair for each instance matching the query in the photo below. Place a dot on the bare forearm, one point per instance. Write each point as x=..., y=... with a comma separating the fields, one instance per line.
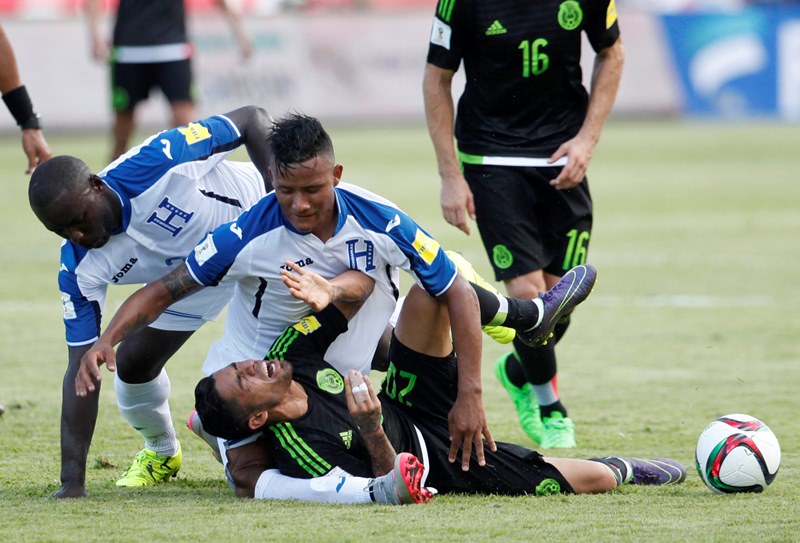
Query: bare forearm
x=146, y=304
x=9, y=74
x=462, y=305
x=606, y=77
x=440, y=116
x=351, y=286
x=380, y=450
x=78, y=417
x=93, y=16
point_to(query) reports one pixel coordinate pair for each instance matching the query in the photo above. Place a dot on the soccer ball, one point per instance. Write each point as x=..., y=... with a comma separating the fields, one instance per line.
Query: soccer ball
x=737, y=453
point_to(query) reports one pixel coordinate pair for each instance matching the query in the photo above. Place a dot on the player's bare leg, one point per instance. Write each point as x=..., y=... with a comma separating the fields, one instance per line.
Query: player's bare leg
x=183, y=112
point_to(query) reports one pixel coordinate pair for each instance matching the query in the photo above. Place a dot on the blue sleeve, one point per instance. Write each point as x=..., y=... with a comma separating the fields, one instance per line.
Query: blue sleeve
x=426, y=258
x=210, y=260
x=81, y=316
x=146, y=164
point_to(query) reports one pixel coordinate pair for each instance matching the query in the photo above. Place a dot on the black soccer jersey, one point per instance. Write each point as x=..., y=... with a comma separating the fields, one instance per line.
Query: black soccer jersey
x=150, y=22
x=415, y=398
x=524, y=94
x=326, y=436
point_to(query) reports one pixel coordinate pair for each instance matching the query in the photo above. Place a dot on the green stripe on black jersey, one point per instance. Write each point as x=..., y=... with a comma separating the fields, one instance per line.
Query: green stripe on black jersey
x=445, y=9
x=282, y=344
x=299, y=450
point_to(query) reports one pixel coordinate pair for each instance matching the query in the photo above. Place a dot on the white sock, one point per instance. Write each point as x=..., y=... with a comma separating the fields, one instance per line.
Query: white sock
x=145, y=406
x=545, y=393
x=330, y=489
x=502, y=312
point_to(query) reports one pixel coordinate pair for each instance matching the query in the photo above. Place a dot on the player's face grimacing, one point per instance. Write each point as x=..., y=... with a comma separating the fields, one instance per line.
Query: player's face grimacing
x=306, y=197
x=86, y=218
x=254, y=384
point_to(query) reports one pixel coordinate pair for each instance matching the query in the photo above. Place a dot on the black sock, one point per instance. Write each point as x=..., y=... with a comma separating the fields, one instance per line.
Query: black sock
x=547, y=410
x=522, y=314
x=618, y=467
x=560, y=328
x=514, y=371
x=488, y=302
x=538, y=363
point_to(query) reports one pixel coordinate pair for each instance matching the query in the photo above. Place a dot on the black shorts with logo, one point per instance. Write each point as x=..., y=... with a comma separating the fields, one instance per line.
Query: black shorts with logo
x=417, y=394
x=131, y=83
x=525, y=223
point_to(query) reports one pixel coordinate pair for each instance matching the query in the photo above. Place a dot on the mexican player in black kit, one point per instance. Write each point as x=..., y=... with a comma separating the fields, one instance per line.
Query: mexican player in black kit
x=525, y=130
x=314, y=423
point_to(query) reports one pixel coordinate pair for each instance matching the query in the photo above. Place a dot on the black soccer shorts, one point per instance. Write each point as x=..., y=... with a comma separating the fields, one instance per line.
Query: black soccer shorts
x=131, y=83
x=527, y=225
x=423, y=388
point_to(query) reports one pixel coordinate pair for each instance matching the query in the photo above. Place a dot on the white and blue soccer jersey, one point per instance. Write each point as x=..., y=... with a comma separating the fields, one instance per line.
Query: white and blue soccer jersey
x=174, y=189
x=372, y=235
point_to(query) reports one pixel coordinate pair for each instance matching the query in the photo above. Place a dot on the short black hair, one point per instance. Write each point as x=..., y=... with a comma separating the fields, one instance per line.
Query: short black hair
x=55, y=177
x=296, y=138
x=220, y=417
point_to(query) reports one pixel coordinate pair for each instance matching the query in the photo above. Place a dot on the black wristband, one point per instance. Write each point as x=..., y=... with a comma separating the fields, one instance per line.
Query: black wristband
x=21, y=108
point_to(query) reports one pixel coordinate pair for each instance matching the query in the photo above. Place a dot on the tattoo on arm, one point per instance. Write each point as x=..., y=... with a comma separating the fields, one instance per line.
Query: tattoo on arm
x=180, y=284
x=380, y=451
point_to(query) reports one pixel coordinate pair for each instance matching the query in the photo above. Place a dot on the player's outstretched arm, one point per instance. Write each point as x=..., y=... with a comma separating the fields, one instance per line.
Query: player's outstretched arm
x=140, y=309
x=78, y=417
x=255, y=125
x=467, y=418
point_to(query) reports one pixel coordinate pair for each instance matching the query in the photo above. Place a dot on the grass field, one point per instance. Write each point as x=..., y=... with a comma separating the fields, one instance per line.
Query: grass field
x=695, y=315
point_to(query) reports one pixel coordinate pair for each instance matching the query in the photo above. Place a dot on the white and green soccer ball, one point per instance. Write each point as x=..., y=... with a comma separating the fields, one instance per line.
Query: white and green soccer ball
x=737, y=453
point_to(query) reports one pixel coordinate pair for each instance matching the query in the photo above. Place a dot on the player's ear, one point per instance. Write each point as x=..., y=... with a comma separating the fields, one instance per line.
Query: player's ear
x=337, y=174
x=257, y=420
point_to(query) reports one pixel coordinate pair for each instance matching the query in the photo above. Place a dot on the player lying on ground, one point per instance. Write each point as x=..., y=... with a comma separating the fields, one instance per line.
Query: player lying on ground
x=313, y=423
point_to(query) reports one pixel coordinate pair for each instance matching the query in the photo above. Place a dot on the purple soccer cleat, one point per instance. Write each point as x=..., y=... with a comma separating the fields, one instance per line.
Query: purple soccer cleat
x=572, y=289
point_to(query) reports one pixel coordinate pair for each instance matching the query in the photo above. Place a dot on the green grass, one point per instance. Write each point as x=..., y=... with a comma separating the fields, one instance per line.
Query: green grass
x=694, y=316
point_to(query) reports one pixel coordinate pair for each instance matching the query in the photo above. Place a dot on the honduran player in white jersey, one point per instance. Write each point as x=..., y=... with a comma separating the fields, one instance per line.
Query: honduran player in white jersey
x=330, y=228
x=131, y=223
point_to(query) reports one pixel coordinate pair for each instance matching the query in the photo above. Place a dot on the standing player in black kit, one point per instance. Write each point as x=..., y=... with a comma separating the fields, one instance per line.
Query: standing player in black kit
x=151, y=49
x=525, y=130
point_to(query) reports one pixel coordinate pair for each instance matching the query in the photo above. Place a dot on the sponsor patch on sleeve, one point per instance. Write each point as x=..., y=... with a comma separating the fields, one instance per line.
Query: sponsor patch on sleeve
x=427, y=247
x=205, y=250
x=307, y=325
x=69, y=307
x=440, y=34
x=611, y=14
x=194, y=133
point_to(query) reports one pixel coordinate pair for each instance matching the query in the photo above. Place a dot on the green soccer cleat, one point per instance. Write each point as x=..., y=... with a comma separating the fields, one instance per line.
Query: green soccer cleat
x=148, y=469
x=501, y=334
x=559, y=432
x=524, y=401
